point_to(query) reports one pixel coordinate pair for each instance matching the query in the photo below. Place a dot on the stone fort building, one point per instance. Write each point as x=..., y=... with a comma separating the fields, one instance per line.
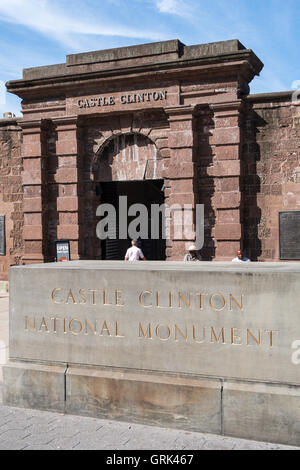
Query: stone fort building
x=159, y=122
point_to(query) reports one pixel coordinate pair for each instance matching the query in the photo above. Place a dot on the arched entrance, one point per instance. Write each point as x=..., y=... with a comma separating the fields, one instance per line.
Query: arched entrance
x=128, y=171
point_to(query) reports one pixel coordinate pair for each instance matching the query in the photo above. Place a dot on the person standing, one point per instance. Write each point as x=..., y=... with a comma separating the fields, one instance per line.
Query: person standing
x=240, y=258
x=193, y=254
x=134, y=253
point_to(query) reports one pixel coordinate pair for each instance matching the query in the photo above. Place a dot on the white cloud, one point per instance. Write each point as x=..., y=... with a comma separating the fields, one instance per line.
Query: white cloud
x=168, y=6
x=174, y=7
x=51, y=20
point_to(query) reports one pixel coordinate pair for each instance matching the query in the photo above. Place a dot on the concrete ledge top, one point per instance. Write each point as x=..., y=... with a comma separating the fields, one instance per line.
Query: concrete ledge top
x=275, y=96
x=155, y=49
x=13, y=121
x=169, y=266
x=121, y=53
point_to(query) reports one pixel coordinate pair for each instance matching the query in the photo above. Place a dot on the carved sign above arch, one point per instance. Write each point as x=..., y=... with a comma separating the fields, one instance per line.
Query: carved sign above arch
x=127, y=157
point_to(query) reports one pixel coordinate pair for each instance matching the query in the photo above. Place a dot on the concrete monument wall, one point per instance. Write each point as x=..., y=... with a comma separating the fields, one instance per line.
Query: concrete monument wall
x=201, y=346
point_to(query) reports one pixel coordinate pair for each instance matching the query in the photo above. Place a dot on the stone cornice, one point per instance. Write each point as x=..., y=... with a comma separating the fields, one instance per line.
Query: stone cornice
x=181, y=111
x=243, y=62
x=227, y=106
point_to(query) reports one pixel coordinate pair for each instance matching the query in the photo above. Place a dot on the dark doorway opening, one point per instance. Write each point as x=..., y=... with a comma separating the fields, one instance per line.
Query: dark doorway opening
x=148, y=193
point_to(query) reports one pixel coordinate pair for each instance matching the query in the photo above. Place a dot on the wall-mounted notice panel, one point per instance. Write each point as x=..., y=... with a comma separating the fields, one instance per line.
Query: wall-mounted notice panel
x=289, y=235
x=2, y=235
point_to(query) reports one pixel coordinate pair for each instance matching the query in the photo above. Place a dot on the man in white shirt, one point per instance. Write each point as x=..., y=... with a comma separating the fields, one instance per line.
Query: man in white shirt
x=240, y=258
x=134, y=253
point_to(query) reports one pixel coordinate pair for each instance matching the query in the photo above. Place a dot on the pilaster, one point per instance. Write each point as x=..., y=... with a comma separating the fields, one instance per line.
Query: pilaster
x=33, y=182
x=226, y=171
x=180, y=179
x=67, y=180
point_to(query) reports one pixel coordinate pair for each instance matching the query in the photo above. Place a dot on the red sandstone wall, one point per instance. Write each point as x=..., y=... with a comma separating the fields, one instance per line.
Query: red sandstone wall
x=11, y=193
x=218, y=182
x=269, y=183
x=271, y=175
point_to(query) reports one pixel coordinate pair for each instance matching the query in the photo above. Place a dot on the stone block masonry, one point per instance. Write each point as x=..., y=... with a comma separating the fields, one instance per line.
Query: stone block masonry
x=135, y=116
x=162, y=111
x=271, y=171
x=11, y=196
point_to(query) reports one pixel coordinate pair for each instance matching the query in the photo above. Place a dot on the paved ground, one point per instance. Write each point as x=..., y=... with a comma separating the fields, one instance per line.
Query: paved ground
x=3, y=331
x=32, y=429
x=27, y=429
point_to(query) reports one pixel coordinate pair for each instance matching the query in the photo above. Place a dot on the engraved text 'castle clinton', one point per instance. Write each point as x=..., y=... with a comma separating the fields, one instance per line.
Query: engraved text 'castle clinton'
x=123, y=99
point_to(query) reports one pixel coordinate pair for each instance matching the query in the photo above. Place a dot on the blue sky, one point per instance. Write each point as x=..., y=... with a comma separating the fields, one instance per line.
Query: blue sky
x=42, y=32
